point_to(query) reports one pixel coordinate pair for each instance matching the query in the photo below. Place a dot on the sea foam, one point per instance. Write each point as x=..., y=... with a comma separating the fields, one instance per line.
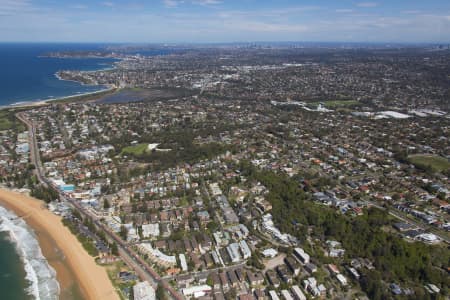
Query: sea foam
x=40, y=275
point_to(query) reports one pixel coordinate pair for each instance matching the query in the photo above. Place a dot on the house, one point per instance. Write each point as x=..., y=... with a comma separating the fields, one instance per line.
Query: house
x=241, y=274
x=187, y=245
x=195, y=260
x=284, y=274
x=353, y=272
x=293, y=265
x=297, y=292
x=403, y=226
x=259, y=294
x=224, y=281
x=246, y=297
x=185, y=280
x=208, y=260
x=215, y=281
x=206, y=242
x=272, y=278
x=301, y=255
x=286, y=295
x=162, y=244
x=255, y=278
x=333, y=269
x=273, y=295
x=234, y=282
x=342, y=279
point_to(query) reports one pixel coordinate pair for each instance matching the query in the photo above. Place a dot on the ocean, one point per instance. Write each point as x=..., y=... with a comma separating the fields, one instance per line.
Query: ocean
x=27, y=76
x=24, y=271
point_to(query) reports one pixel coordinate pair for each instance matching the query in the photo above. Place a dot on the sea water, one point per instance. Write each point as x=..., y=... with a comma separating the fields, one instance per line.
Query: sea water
x=24, y=271
x=27, y=75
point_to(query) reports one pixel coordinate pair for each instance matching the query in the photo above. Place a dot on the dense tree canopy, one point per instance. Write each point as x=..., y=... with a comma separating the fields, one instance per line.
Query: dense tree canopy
x=395, y=259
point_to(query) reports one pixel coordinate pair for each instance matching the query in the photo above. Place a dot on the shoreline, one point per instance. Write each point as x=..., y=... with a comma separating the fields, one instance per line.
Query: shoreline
x=78, y=274
x=42, y=102
x=37, y=103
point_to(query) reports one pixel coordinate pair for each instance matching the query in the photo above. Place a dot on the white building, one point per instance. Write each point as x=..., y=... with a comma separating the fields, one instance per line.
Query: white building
x=183, y=263
x=286, y=295
x=269, y=253
x=297, y=292
x=144, y=291
x=341, y=278
x=149, y=230
x=273, y=295
x=196, y=291
x=302, y=255
x=157, y=255
x=246, y=252
x=269, y=227
x=233, y=252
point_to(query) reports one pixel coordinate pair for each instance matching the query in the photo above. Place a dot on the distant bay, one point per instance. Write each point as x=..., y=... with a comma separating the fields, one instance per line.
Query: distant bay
x=27, y=76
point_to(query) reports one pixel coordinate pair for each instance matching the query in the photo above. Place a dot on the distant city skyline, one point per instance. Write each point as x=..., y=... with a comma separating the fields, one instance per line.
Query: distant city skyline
x=215, y=21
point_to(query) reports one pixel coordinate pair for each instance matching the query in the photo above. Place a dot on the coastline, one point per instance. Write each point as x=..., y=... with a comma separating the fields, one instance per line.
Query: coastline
x=42, y=102
x=37, y=103
x=76, y=271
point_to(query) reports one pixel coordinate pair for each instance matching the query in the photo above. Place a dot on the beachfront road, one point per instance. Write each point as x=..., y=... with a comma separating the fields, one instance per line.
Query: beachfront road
x=128, y=255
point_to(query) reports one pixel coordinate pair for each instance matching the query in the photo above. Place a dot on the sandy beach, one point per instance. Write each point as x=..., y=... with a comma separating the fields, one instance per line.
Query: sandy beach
x=74, y=266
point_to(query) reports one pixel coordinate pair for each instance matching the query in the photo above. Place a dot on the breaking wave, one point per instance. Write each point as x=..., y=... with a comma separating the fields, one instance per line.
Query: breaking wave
x=40, y=275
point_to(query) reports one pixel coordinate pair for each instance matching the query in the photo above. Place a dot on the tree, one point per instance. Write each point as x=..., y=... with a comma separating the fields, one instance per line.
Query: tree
x=114, y=249
x=106, y=204
x=209, y=281
x=160, y=292
x=123, y=233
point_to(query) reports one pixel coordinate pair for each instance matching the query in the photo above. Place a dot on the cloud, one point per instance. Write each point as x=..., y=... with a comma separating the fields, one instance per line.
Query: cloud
x=344, y=10
x=411, y=12
x=12, y=7
x=207, y=2
x=78, y=6
x=108, y=4
x=27, y=21
x=176, y=3
x=367, y=4
x=172, y=3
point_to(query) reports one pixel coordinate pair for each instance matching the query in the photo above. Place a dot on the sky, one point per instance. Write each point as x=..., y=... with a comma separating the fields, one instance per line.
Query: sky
x=212, y=21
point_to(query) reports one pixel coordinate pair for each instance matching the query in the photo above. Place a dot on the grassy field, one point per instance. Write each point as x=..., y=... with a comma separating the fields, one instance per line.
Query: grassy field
x=138, y=149
x=336, y=103
x=5, y=121
x=8, y=121
x=436, y=163
x=113, y=271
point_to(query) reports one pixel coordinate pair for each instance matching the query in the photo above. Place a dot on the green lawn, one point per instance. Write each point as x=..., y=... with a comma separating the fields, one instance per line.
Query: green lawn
x=336, y=103
x=5, y=120
x=436, y=163
x=138, y=149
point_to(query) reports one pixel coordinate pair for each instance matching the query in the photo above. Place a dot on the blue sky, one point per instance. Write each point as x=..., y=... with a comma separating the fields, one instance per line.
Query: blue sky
x=147, y=21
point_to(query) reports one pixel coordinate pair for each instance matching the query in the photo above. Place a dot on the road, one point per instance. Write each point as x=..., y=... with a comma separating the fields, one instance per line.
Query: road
x=393, y=212
x=34, y=149
x=402, y=217
x=129, y=256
